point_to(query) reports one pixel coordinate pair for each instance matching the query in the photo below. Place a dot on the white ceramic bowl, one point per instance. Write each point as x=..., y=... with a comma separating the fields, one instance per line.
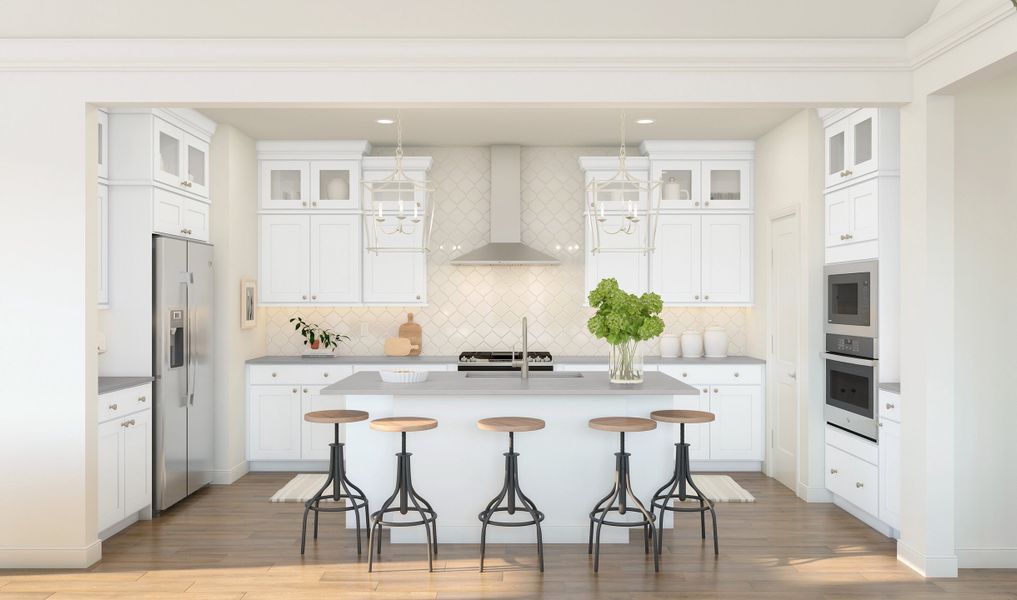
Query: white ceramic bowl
x=403, y=376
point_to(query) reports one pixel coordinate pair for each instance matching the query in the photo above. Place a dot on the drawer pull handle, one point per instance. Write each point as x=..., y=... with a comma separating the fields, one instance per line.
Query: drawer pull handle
x=142, y=399
x=859, y=484
x=326, y=374
x=834, y=471
x=305, y=390
x=113, y=406
x=736, y=374
x=685, y=374
x=890, y=406
x=274, y=374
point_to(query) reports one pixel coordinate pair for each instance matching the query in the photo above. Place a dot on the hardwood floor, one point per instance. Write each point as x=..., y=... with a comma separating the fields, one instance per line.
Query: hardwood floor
x=229, y=542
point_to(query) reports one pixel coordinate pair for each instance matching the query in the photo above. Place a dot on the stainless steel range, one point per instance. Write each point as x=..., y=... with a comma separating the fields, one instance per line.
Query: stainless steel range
x=505, y=361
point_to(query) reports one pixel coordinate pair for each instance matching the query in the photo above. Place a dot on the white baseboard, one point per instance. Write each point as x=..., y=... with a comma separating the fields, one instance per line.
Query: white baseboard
x=709, y=466
x=294, y=466
x=228, y=476
x=813, y=493
x=987, y=558
x=51, y=558
x=865, y=517
x=926, y=566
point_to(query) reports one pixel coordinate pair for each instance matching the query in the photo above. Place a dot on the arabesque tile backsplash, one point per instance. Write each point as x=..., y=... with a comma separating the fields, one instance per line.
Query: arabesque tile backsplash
x=480, y=307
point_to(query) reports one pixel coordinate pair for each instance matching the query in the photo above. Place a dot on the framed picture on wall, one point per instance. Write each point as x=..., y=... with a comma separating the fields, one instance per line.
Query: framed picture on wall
x=248, y=303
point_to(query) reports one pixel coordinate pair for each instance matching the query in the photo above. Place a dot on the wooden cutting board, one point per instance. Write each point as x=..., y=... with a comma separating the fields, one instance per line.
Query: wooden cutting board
x=412, y=332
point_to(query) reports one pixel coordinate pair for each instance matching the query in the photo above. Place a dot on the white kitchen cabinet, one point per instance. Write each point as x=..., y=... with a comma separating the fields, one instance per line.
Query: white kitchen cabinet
x=310, y=175
x=676, y=262
x=137, y=441
x=110, y=474
x=727, y=259
x=889, y=473
x=335, y=259
x=180, y=158
x=618, y=197
x=395, y=278
x=631, y=269
x=853, y=479
x=860, y=142
x=727, y=184
x=335, y=184
x=697, y=435
x=103, y=237
x=102, y=133
x=275, y=420
x=285, y=184
x=852, y=214
x=736, y=434
x=316, y=437
x=181, y=216
x=196, y=159
x=681, y=185
x=285, y=255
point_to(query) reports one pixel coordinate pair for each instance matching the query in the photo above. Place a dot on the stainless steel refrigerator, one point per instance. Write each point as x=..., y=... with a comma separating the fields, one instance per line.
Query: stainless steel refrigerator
x=182, y=305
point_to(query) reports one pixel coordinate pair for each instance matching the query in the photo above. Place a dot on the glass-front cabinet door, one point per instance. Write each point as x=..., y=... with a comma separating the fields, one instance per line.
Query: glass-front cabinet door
x=726, y=184
x=169, y=155
x=285, y=184
x=836, y=153
x=335, y=184
x=864, y=148
x=680, y=186
x=196, y=166
x=103, y=133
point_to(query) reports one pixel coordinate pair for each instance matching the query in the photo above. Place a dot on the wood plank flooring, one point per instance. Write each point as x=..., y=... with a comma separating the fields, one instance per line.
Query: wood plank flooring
x=230, y=543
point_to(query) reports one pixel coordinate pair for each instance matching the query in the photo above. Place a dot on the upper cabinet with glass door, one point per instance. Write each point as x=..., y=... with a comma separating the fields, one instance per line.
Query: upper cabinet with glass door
x=727, y=184
x=860, y=142
x=181, y=159
x=310, y=175
x=102, y=118
x=701, y=175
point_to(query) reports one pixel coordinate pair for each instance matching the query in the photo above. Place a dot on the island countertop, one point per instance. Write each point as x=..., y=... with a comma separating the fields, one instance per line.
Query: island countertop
x=587, y=383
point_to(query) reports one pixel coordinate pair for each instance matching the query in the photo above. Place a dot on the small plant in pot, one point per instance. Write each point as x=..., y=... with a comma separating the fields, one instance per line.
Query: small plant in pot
x=316, y=336
x=625, y=320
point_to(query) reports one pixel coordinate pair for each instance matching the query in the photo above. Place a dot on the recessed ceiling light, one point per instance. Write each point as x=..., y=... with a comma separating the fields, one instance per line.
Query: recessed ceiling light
x=384, y=121
x=645, y=121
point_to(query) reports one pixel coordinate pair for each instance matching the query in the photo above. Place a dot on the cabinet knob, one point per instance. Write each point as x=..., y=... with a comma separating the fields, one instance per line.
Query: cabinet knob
x=142, y=399
x=859, y=484
x=697, y=203
x=418, y=296
x=183, y=231
x=314, y=204
x=890, y=406
x=305, y=390
x=685, y=374
x=294, y=390
x=706, y=297
x=304, y=297
x=707, y=203
x=697, y=297
x=849, y=172
x=706, y=390
x=834, y=471
x=326, y=375
x=303, y=204
x=716, y=391
x=113, y=406
x=274, y=374
x=880, y=423
x=314, y=296
x=849, y=236
x=736, y=373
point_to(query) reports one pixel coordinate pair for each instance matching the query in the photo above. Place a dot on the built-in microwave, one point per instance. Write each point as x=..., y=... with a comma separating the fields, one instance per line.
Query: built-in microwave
x=851, y=299
x=852, y=384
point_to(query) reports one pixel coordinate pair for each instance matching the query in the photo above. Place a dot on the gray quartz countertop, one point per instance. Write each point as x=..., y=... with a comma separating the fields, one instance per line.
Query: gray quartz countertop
x=890, y=387
x=113, y=384
x=439, y=359
x=369, y=383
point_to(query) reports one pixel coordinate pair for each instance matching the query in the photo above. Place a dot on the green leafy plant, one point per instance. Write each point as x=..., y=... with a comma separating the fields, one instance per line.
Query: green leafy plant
x=315, y=335
x=623, y=317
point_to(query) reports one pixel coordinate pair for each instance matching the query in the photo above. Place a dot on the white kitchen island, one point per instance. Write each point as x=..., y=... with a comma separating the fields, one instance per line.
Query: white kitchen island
x=565, y=468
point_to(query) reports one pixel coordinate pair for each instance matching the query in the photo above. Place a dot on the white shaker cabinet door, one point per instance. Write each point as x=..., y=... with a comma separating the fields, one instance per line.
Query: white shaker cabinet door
x=169, y=155
x=103, y=236
x=727, y=259
x=285, y=251
x=316, y=437
x=697, y=435
x=110, y=482
x=395, y=278
x=737, y=433
x=196, y=165
x=137, y=434
x=335, y=258
x=275, y=420
x=676, y=262
x=889, y=473
x=630, y=269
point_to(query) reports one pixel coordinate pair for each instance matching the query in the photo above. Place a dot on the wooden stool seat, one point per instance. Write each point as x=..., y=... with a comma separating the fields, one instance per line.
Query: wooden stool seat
x=336, y=416
x=623, y=424
x=404, y=424
x=682, y=416
x=510, y=424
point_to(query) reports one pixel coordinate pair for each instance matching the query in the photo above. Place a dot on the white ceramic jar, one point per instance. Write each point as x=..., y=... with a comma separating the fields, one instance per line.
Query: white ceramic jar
x=692, y=344
x=669, y=347
x=715, y=342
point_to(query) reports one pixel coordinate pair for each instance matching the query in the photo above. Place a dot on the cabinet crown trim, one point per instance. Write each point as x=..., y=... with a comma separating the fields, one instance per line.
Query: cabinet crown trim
x=297, y=149
x=698, y=149
x=187, y=119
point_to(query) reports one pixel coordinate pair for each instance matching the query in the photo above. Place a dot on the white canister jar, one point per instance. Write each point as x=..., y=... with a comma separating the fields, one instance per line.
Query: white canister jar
x=338, y=189
x=692, y=344
x=715, y=342
x=669, y=347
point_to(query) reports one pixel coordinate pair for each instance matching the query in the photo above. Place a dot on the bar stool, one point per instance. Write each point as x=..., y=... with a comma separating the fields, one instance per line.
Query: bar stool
x=510, y=489
x=682, y=477
x=622, y=490
x=336, y=475
x=404, y=491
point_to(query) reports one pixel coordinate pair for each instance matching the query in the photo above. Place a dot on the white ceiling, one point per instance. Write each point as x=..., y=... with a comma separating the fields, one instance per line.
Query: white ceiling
x=639, y=19
x=476, y=126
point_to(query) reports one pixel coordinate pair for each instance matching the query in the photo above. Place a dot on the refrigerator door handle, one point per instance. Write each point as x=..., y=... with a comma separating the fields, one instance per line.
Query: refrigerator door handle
x=191, y=375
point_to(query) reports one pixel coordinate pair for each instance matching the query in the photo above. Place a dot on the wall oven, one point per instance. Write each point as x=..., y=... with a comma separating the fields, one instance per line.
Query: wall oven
x=851, y=299
x=852, y=384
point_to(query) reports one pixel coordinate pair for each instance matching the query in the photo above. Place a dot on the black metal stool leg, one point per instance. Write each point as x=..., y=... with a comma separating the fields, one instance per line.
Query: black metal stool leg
x=680, y=481
x=340, y=485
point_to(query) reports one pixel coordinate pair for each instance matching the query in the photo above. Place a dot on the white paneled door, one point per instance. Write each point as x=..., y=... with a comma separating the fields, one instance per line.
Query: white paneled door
x=335, y=258
x=285, y=252
x=675, y=269
x=784, y=318
x=275, y=422
x=736, y=434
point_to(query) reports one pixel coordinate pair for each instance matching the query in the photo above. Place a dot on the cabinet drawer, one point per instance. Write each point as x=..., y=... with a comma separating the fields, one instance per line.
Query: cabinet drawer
x=852, y=444
x=889, y=406
x=716, y=374
x=853, y=479
x=124, y=402
x=298, y=374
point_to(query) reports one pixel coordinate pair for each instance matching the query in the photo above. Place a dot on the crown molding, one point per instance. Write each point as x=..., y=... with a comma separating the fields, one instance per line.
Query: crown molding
x=952, y=28
x=197, y=55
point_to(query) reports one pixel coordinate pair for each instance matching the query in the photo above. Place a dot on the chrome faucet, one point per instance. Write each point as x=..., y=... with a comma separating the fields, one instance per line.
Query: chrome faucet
x=524, y=364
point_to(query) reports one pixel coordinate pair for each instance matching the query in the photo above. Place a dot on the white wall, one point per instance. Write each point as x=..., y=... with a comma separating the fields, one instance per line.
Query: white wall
x=234, y=233
x=986, y=326
x=788, y=172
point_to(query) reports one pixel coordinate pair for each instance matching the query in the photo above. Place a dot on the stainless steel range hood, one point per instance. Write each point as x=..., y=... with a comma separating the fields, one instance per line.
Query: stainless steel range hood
x=506, y=247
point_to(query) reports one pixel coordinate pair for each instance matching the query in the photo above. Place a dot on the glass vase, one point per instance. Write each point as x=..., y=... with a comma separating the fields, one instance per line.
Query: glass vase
x=626, y=364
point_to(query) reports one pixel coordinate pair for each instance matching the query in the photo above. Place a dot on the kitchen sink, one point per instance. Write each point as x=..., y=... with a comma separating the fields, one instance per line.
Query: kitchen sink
x=515, y=374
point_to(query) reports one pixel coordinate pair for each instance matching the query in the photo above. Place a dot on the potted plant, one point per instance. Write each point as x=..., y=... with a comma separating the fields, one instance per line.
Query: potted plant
x=624, y=320
x=316, y=336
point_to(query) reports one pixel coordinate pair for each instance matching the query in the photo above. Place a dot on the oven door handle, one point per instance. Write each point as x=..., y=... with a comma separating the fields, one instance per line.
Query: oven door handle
x=863, y=362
